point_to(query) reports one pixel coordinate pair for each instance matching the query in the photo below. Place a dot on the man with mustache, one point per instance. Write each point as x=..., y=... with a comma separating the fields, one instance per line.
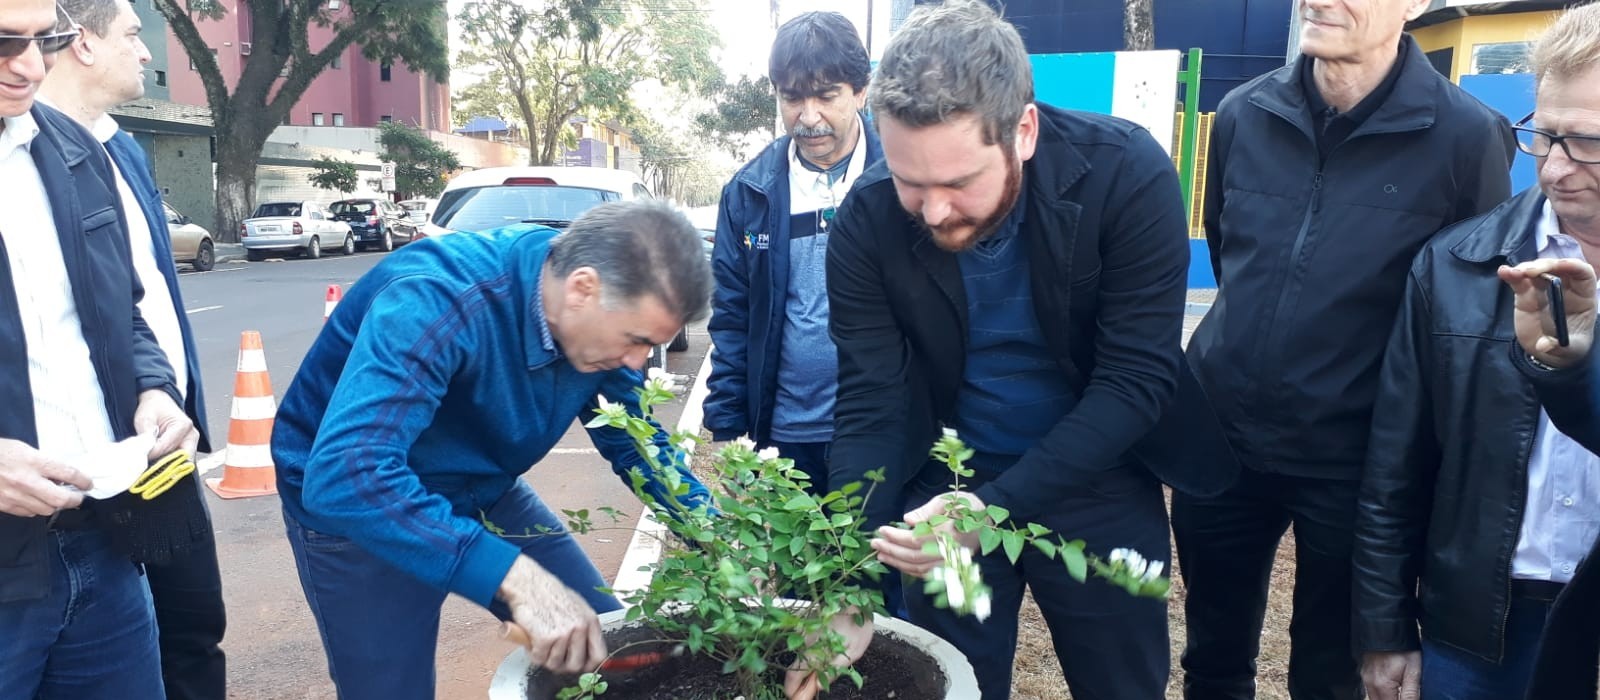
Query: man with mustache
x=773, y=365
x=1015, y=272
x=1325, y=179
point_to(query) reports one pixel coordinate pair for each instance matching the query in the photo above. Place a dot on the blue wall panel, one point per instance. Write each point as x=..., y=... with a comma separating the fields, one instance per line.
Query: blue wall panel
x=1511, y=95
x=1075, y=81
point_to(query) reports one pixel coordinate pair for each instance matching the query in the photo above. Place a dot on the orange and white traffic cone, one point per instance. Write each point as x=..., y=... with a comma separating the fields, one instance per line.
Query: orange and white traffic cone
x=248, y=470
x=334, y=295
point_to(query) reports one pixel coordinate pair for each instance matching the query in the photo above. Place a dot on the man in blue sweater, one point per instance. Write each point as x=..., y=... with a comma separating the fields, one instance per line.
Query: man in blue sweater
x=444, y=374
x=102, y=69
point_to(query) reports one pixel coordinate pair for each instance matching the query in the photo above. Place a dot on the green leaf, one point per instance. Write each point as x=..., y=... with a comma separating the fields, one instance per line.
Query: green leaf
x=1046, y=546
x=1013, y=541
x=1038, y=530
x=1072, y=556
x=988, y=539
x=997, y=514
x=801, y=502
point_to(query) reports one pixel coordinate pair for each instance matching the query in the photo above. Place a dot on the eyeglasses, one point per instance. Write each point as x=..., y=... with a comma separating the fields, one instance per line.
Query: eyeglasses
x=1536, y=143
x=13, y=45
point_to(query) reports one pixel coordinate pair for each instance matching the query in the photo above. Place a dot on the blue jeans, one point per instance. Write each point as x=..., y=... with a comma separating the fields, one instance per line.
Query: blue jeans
x=1110, y=645
x=92, y=638
x=380, y=626
x=1451, y=674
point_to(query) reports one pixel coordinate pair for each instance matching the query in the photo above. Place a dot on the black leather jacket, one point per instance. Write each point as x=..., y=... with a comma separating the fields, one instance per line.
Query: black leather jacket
x=1446, y=480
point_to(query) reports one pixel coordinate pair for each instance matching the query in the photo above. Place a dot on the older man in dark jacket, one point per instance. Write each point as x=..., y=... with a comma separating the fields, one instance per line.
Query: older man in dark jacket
x=1476, y=510
x=1325, y=178
x=1015, y=272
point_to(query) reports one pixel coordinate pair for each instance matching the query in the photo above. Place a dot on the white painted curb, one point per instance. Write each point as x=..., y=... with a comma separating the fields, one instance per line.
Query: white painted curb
x=645, y=547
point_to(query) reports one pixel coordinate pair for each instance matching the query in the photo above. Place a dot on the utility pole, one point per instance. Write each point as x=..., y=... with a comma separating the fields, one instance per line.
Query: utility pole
x=869, y=29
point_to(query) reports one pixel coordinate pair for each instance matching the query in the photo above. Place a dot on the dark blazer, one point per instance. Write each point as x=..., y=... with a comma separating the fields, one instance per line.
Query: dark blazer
x=1108, y=258
x=1570, y=650
x=130, y=159
x=94, y=243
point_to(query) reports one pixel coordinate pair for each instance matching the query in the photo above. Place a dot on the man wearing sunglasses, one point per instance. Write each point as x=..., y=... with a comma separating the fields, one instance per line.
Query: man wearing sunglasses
x=80, y=370
x=104, y=68
x=1477, y=511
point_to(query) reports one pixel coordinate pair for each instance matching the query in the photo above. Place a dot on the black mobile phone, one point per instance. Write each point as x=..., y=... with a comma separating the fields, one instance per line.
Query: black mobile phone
x=1558, y=308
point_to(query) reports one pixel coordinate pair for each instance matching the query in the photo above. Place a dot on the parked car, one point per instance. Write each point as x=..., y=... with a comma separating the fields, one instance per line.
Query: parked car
x=487, y=199
x=293, y=227
x=190, y=243
x=420, y=210
x=377, y=223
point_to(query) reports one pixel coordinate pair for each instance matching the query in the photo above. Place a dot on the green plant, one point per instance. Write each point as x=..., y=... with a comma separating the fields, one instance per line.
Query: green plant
x=727, y=587
x=334, y=174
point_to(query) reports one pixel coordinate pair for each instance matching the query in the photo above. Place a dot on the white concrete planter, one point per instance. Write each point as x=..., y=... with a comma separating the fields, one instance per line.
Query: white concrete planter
x=511, y=679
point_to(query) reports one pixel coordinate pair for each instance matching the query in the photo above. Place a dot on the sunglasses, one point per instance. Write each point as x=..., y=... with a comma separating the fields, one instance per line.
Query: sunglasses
x=12, y=45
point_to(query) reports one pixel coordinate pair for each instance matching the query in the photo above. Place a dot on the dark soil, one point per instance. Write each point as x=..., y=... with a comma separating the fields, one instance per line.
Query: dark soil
x=891, y=667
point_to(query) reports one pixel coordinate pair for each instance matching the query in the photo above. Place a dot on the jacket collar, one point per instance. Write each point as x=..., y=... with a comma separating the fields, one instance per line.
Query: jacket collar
x=528, y=257
x=1410, y=106
x=1505, y=233
x=73, y=151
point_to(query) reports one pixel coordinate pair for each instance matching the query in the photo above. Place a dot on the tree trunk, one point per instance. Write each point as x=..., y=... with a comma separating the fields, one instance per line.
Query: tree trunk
x=239, y=144
x=1138, y=25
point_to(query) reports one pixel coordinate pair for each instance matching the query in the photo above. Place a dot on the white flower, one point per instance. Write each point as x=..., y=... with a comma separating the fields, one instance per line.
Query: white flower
x=956, y=592
x=767, y=454
x=950, y=432
x=1136, y=564
x=745, y=443
x=604, y=404
x=1118, y=555
x=980, y=607
x=1154, y=572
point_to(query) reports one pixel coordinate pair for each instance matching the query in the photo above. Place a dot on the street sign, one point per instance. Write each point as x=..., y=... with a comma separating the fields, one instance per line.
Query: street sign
x=388, y=177
x=388, y=184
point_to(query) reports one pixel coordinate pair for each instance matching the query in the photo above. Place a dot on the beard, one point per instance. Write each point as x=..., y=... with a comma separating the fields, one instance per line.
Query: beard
x=957, y=235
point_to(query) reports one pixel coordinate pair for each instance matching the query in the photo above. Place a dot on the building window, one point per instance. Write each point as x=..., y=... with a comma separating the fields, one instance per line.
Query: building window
x=316, y=119
x=338, y=60
x=386, y=119
x=383, y=72
x=161, y=78
x=1501, y=58
x=338, y=119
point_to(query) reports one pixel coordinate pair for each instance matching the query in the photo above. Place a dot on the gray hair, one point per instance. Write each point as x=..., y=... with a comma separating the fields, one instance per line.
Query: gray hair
x=955, y=60
x=1570, y=47
x=95, y=15
x=638, y=248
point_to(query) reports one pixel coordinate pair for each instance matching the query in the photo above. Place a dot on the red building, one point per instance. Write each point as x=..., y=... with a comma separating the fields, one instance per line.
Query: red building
x=352, y=92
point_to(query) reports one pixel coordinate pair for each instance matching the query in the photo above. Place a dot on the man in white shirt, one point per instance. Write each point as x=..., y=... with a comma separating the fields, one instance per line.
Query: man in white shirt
x=79, y=368
x=1476, y=509
x=104, y=68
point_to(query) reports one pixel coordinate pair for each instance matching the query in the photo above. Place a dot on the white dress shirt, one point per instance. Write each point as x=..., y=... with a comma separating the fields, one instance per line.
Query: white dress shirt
x=1562, y=516
x=68, y=406
x=157, y=308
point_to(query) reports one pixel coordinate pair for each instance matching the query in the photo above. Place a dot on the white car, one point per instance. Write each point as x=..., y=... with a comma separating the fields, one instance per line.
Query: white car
x=480, y=200
x=419, y=210
x=301, y=227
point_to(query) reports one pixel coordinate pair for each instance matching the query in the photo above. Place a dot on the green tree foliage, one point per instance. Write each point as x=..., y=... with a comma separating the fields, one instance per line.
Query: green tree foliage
x=335, y=175
x=676, y=170
x=420, y=163
x=282, y=64
x=742, y=110
x=546, y=64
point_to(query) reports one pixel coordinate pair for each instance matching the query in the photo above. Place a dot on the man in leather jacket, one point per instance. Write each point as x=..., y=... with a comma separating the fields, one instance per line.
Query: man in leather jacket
x=1476, y=509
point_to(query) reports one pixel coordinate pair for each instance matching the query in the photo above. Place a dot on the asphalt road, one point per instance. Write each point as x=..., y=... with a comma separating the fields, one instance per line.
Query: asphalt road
x=274, y=651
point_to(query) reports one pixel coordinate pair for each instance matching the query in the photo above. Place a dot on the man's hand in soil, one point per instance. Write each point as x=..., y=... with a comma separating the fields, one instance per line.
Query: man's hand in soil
x=563, y=632
x=903, y=550
x=1392, y=675
x=31, y=483
x=801, y=682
